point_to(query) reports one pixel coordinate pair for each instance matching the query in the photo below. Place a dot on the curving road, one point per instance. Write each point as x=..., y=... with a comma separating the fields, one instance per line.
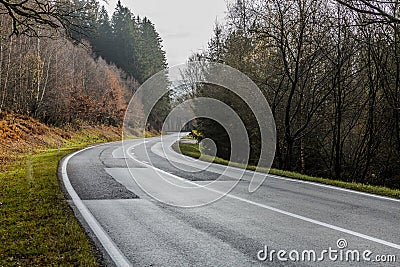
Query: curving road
x=113, y=190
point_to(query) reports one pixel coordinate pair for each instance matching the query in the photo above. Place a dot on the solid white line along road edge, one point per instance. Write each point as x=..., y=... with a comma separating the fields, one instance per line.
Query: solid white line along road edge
x=116, y=255
x=293, y=215
x=288, y=179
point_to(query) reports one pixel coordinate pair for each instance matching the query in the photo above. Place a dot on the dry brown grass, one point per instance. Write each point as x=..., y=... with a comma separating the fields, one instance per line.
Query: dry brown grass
x=21, y=134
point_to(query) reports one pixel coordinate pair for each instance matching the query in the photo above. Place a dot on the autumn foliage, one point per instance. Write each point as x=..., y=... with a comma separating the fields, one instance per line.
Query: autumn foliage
x=60, y=83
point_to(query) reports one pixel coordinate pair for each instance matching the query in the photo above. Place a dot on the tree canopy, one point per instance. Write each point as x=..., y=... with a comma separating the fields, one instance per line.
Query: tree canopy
x=132, y=43
x=33, y=17
x=331, y=73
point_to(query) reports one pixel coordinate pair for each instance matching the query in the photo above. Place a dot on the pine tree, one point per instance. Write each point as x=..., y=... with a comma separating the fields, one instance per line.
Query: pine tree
x=102, y=39
x=83, y=15
x=152, y=57
x=125, y=36
x=133, y=45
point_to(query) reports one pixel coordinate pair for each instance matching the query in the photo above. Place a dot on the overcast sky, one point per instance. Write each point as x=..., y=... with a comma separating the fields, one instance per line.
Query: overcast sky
x=184, y=25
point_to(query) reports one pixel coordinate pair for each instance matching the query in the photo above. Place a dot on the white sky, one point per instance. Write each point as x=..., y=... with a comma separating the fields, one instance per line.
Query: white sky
x=185, y=26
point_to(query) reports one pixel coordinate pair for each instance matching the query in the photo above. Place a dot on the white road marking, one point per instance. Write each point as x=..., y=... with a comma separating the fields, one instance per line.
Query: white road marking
x=111, y=248
x=290, y=214
x=333, y=187
x=187, y=163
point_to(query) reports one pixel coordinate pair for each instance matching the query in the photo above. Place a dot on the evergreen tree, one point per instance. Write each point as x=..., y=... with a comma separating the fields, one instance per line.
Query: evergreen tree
x=133, y=45
x=152, y=57
x=125, y=36
x=102, y=39
x=83, y=15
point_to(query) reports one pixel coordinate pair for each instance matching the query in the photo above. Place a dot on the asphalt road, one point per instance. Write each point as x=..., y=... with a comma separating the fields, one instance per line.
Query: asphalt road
x=133, y=199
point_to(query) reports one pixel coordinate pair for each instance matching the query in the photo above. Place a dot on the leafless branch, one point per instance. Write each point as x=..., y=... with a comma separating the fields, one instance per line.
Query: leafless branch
x=371, y=8
x=30, y=16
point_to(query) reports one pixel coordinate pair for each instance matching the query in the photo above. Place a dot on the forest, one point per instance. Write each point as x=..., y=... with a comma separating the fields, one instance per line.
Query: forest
x=330, y=71
x=68, y=62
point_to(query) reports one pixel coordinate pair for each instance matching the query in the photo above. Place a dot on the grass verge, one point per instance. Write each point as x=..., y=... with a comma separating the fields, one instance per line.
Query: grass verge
x=192, y=150
x=37, y=227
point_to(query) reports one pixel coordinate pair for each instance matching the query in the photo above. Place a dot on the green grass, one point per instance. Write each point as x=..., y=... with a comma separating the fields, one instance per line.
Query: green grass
x=192, y=150
x=37, y=227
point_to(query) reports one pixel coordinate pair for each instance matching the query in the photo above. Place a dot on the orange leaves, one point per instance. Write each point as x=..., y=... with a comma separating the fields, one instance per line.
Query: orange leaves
x=100, y=100
x=14, y=127
x=60, y=83
x=8, y=131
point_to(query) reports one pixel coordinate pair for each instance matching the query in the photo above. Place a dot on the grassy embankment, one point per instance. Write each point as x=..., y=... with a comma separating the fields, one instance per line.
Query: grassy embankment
x=37, y=227
x=192, y=150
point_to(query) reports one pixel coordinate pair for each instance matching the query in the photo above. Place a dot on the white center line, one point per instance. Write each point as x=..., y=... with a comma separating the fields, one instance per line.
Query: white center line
x=290, y=214
x=186, y=160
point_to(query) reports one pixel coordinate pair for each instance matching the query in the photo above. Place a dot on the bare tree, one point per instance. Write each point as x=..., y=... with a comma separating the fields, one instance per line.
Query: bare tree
x=330, y=70
x=373, y=7
x=30, y=17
